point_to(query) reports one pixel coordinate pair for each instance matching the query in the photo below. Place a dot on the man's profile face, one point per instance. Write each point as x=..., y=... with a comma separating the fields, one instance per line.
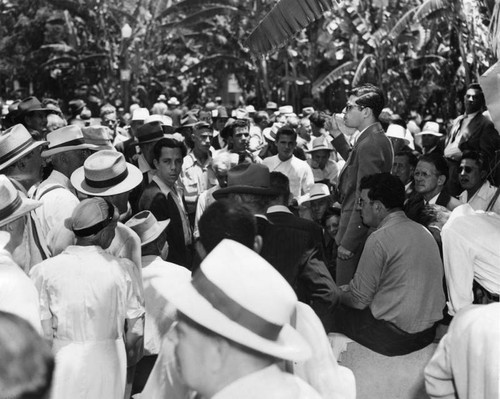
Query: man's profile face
x=37, y=120
x=365, y=207
x=240, y=138
x=353, y=113
x=401, y=168
x=169, y=165
x=320, y=158
x=202, y=139
x=285, y=145
x=427, y=178
x=470, y=175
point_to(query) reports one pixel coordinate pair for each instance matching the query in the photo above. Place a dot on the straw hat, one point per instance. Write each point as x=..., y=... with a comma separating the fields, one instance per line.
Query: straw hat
x=173, y=101
x=270, y=132
x=241, y=297
x=397, y=132
x=15, y=143
x=12, y=206
x=285, y=110
x=272, y=106
x=106, y=173
x=318, y=191
x=67, y=138
x=90, y=216
x=140, y=114
x=98, y=136
x=247, y=178
x=147, y=227
x=431, y=128
x=320, y=143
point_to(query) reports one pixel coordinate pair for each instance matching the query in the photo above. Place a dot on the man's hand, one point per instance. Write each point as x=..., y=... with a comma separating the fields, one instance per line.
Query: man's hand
x=344, y=253
x=333, y=127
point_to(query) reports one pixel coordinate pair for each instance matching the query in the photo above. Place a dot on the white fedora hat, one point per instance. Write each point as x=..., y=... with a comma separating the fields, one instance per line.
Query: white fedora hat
x=12, y=206
x=15, y=143
x=320, y=143
x=106, y=173
x=270, y=132
x=147, y=227
x=99, y=136
x=397, y=131
x=431, y=128
x=140, y=114
x=318, y=190
x=285, y=110
x=67, y=138
x=241, y=297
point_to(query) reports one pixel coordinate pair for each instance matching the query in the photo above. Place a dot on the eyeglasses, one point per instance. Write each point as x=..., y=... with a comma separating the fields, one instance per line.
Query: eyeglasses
x=362, y=202
x=425, y=175
x=350, y=106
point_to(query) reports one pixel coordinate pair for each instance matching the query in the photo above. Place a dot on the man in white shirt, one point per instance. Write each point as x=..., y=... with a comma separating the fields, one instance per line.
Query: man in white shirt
x=298, y=172
x=478, y=191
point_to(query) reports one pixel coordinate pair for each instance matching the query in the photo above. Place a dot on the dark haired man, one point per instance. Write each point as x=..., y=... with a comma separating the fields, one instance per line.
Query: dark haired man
x=164, y=198
x=382, y=305
x=298, y=172
x=371, y=153
x=403, y=167
x=470, y=131
x=478, y=191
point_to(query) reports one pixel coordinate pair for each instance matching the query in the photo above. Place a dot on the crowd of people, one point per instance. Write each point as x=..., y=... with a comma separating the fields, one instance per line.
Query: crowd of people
x=208, y=252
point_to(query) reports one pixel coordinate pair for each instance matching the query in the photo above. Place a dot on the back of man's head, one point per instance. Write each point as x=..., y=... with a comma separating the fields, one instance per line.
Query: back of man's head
x=386, y=188
x=281, y=183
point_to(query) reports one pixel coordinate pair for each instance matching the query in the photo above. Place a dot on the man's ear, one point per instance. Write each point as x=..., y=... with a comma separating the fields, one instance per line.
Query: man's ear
x=155, y=163
x=441, y=180
x=257, y=243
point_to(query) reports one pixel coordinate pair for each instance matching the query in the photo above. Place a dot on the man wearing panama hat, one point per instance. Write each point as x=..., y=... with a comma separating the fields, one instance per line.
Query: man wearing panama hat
x=17, y=293
x=228, y=343
x=324, y=169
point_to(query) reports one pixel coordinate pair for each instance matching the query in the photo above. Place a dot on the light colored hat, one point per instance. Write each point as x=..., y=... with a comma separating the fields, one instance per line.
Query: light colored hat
x=431, y=128
x=106, y=173
x=12, y=206
x=173, y=101
x=397, y=131
x=99, y=136
x=285, y=110
x=241, y=297
x=320, y=143
x=239, y=113
x=147, y=227
x=318, y=191
x=163, y=119
x=307, y=111
x=271, y=106
x=31, y=104
x=15, y=143
x=250, y=109
x=140, y=114
x=67, y=138
x=270, y=132
x=90, y=216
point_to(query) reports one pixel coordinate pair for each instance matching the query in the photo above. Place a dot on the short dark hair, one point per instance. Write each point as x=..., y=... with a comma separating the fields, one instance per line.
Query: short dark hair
x=318, y=118
x=227, y=219
x=332, y=211
x=479, y=157
x=412, y=158
x=386, y=188
x=370, y=96
x=286, y=131
x=281, y=183
x=237, y=124
x=439, y=163
x=168, y=143
x=477, y=87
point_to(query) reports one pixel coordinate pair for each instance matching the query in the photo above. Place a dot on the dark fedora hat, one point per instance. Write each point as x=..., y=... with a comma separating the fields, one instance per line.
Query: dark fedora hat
x=31, y=104
x=247, y=178
x=149, y=133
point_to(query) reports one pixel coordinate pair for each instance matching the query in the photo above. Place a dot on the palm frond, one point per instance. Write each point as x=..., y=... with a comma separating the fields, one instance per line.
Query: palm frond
x=429, y=7
x=495, y=29
x=403, y=23
x=287, y=18
x=195, y=4
x=200, y=16
x=213, y=59
x=323, y=83
x=360, y=68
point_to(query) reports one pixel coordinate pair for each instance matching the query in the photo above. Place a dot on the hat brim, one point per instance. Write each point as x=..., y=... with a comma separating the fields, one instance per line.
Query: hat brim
x=133, y=179
x=54, y=151
x=314, y=198
x=100, y=147
x=241, y=189
x=27, y=205
x=430, y=134
x=158, y=228
x=37, y=109
x=319, y=149
x=26, y=151
x=137, y=142
x=289, y=345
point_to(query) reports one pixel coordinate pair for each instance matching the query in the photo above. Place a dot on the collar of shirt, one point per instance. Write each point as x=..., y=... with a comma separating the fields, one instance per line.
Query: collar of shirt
x=148, y=259
x=192, y=160
x=391, y=219
x=278, y=208
x=57, y=177
x=433, y=200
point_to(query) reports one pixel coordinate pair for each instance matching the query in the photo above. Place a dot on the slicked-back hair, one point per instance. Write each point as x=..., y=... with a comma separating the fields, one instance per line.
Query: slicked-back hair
x=227, y=219
x=386, y=188
x=412, y=158
x=318, y=119
x=286, y=131
x=439, y=163
x=281, y=183
x=168, y=143
x=370, y=96
x=479, y=90
x=238, y=123
x=479, y=157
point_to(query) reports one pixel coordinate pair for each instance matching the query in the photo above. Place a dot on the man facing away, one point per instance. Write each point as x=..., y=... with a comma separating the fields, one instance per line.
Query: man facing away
x=396, y=295
x=371, y=153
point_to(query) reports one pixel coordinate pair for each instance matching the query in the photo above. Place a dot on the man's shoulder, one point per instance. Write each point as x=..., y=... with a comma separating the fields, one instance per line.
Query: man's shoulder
x=270, y=160
x=188, y=161
x=284, y=219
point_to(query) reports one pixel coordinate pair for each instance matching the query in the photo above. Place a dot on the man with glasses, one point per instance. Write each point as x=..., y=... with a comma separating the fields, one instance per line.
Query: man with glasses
x=371, y=153
x=383, y=307
x=470, y=131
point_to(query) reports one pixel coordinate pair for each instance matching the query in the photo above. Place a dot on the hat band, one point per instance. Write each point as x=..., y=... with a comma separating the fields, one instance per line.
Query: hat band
x=96, y=228
x=68, y=143
x=16, y=151
x=107, y=183
x=11, y=208
x=150, y=136
x=233, y=310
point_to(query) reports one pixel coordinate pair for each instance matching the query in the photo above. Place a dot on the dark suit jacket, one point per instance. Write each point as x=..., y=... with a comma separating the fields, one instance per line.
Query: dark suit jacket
x=294, y=247
x=372, y=153
x=163, y=208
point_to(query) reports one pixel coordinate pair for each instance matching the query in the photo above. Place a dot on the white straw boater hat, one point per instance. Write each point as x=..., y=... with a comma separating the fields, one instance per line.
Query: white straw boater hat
x=12, y=206
x=147, y=227
x=15, y=143
x=67, y=138
x=318, y=191
x=106, y=173
x=241, y=297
